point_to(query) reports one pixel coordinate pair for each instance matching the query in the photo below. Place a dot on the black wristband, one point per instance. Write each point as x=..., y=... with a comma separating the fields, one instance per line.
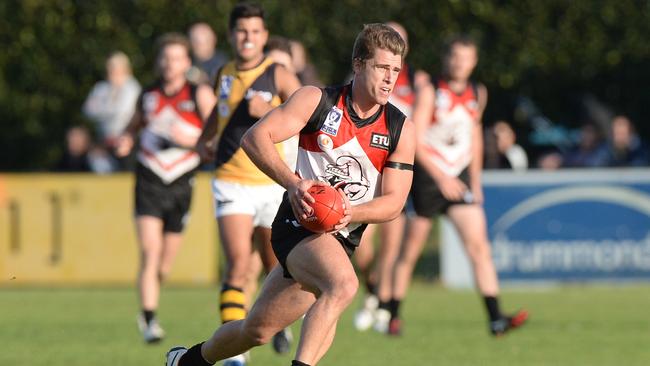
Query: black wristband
x=400, y=166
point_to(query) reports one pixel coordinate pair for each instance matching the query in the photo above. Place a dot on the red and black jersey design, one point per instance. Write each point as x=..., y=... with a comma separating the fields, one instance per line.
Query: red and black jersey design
x=448, y=138
x=164, y=117
x=339, y=148
x=403, y=95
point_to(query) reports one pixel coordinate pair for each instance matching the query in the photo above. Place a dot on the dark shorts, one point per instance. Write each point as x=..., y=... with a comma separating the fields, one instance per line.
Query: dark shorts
x=286, y=233
x=426, y=198
x=169, y=202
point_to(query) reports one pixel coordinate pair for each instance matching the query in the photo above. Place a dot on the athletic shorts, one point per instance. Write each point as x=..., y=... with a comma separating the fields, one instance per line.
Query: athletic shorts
x=426, y=198
x=169, y=202
x=287, y=233
x=259, y=201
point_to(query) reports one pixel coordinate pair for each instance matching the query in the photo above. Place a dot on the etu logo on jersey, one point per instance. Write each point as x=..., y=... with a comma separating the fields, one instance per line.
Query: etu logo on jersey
x=380, y=141
x=332, y=122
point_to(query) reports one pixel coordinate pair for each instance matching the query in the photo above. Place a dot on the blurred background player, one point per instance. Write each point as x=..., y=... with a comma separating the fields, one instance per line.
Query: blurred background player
x=246, y=200
x=168, y=120
x=304, y=69
x=447, y=179
x=376, y=270
x=111, y=104
x=206, y=58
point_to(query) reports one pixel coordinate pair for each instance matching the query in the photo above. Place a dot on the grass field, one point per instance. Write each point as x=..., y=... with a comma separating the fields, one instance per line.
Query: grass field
x=575, y=325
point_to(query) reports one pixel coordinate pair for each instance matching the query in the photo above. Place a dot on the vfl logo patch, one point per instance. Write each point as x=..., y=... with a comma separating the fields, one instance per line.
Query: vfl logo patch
x=380, y=141
x=225, y=85
x=332, y=122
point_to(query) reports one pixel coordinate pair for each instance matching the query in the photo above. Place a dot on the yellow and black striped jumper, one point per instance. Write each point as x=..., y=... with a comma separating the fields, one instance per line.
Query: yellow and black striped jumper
x=234, y=88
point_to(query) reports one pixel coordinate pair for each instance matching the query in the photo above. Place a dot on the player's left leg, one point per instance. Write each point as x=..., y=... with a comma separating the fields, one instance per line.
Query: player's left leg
x=150, y=237
x=280, y=303
x=363, y=258
x=392, y=233
x=470, y=222
x=171, y=244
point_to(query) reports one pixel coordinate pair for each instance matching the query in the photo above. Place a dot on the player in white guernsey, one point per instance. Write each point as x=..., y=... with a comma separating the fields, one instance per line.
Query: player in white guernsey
x=447, y=178
x=348, y=134
x=168, y=122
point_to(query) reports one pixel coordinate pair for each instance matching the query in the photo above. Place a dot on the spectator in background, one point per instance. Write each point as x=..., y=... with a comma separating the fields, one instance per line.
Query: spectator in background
x=550, y=160
x=304, y=69
x=206, y=58
x=625, y=148
x=81, y=156
x=502, y=150
x=111, y=103
x=590, y=151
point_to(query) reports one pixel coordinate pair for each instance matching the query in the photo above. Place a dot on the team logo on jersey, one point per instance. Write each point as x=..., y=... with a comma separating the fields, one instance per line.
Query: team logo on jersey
x=380, y=141
x=332, y=122
x=347, y=175
x=187, y=106
x=443, y=99
x=325, y=142
x=224, y=110
x=267, y=96
x=150, y=101
x=225, y=85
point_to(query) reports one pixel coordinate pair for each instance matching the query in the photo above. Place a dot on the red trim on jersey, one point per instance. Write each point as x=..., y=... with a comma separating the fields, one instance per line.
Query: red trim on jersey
x=467, y=99
x=168, y=167
x=347, y=130
x=176, y=101
x=435, y=152
x=403, y=90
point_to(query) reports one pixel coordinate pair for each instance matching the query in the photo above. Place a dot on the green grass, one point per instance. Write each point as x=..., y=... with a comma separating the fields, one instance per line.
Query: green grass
x=572, y=325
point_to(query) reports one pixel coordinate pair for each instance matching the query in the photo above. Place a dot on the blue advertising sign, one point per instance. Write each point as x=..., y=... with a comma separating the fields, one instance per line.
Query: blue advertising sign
x=570, y=226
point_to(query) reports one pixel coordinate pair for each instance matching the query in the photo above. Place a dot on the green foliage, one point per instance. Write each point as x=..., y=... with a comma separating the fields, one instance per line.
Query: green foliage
x=53, y=52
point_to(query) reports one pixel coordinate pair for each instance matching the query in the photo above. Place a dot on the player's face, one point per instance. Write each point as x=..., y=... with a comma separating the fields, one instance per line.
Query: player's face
x=461, y=61
x=174, y=62
x=248, y=38
x=379, y=74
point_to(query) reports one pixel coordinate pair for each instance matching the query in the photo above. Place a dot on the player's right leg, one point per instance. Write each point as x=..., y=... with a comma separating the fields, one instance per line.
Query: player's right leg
x=470, y=222
x=235, y=233
x=281, y=302
x=418, y=228
x=392, y=233
x=321, y=265
x=364, y=318
x=150, y=238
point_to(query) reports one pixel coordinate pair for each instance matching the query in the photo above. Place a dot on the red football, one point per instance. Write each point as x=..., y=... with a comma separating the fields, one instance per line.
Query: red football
x=327, y=210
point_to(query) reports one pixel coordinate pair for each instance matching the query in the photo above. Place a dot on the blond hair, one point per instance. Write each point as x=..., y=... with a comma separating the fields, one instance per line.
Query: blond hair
x=374, y=36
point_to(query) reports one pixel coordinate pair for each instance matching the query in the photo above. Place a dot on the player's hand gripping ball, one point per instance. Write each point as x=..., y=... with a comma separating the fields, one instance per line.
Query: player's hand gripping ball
x=327, y=211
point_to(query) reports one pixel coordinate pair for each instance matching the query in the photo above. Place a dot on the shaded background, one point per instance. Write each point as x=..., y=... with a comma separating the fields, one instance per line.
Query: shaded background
x=569, y=62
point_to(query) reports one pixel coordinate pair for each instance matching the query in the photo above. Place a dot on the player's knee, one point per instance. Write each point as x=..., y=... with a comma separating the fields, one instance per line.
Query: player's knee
x=345, y=289
x=256, y=335
x=478, y=250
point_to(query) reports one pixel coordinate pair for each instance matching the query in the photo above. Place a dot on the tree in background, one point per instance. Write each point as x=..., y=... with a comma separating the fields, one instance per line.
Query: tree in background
x=553, y=52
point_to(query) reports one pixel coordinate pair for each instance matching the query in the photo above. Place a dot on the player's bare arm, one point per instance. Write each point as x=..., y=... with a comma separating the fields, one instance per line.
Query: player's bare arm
x=279, y=125
x=205, y=100
x=396, y=182
x=206, y=143
x=126, y=140
x=476, y=165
